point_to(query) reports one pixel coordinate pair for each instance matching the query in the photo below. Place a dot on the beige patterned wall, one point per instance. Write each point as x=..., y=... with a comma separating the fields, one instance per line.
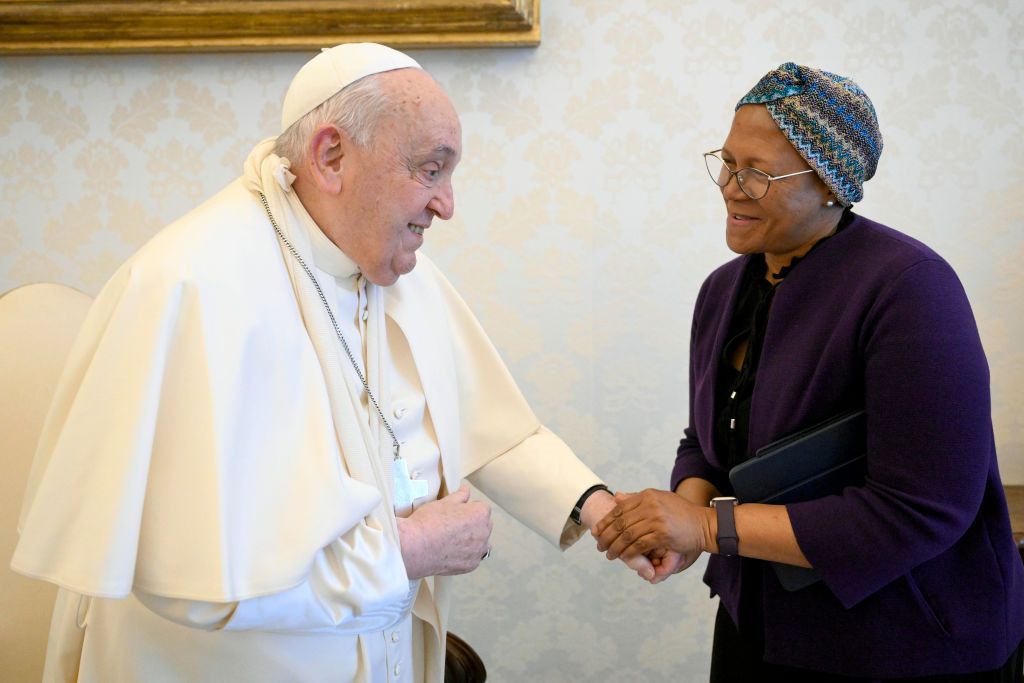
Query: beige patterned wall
x=585, y=223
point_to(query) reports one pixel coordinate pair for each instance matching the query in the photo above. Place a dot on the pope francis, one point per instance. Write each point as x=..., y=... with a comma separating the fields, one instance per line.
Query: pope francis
x=251, y=467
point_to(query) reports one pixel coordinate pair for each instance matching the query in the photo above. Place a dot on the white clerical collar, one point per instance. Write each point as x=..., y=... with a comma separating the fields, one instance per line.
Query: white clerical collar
x=327, y=256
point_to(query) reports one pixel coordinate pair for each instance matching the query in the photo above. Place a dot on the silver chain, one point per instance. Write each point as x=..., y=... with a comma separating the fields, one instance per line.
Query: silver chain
x=334, y=322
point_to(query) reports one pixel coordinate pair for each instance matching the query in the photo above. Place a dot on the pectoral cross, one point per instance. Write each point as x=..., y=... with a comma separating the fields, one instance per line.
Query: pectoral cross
x=407, y=489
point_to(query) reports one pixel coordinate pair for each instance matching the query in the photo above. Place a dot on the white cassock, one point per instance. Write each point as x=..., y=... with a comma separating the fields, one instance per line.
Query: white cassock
x=212, y=491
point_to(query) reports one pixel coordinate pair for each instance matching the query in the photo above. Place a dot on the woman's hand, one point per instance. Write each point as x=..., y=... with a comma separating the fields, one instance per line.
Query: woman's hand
x=594, y=510
x=659, y=524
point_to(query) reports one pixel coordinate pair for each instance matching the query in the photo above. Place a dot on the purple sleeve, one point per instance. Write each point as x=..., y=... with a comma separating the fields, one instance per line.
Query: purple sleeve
x=690, y=458
x=929, y=439
x=690, y=462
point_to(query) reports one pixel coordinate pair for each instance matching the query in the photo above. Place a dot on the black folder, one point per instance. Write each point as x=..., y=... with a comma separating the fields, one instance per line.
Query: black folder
x=815, y=462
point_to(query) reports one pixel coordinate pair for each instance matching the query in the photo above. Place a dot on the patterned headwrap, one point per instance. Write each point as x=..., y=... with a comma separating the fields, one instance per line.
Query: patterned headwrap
x=829, y=120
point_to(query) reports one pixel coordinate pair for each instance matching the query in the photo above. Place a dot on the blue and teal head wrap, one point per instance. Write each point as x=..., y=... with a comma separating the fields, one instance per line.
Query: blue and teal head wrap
x=829, y=120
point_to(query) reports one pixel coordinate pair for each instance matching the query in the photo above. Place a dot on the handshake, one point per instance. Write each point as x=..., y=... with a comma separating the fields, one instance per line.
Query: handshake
x=656, y=533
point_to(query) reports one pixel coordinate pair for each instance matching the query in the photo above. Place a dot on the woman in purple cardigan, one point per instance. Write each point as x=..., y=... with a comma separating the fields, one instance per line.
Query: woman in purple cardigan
x=826, y=311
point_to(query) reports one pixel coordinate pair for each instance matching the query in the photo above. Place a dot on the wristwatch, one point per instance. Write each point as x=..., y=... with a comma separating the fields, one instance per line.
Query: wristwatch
x=577, y=509
x=728, y=541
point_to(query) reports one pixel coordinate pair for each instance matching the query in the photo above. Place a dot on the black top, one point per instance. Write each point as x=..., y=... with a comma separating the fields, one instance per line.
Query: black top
x=749, y=323
x=735, y=389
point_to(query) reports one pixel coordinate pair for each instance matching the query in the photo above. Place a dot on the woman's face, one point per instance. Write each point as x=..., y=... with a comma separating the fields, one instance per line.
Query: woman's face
x=787, y=221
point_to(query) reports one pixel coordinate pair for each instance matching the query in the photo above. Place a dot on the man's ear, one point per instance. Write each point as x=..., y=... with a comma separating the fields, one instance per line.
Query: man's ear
x=328, y=149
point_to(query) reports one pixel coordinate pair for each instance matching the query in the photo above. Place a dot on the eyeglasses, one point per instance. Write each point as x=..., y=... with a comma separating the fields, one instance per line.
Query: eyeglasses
x=753, y=182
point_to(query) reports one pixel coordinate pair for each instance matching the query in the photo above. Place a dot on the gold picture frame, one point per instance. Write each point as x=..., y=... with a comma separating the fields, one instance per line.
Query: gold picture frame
x=70, y=26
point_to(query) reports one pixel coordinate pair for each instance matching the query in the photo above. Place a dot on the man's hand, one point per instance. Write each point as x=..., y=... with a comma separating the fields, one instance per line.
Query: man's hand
x=655, y=522
x=446, y=536
x=669, y=562
x=594, y=509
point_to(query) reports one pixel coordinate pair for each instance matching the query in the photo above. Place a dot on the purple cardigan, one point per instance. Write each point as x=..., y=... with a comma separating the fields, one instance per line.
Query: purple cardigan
x=920, y=572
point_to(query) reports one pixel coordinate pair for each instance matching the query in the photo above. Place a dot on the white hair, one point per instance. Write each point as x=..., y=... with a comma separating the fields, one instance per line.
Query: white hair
x=357, y=109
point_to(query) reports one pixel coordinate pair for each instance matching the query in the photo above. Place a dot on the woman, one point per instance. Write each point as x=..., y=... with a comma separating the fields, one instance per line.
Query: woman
x=826, y=311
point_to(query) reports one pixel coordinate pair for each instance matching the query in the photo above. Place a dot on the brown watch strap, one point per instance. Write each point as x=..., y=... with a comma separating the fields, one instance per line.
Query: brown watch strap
x=728, y=540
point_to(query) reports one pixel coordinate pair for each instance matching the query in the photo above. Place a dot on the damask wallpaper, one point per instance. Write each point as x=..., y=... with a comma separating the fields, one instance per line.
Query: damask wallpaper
x=585, y=223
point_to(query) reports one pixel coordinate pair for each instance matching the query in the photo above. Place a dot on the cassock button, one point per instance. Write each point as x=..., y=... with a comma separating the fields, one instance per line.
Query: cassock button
x=398, y=670
x=394, y=636
x=366, y=314
x=399, y=412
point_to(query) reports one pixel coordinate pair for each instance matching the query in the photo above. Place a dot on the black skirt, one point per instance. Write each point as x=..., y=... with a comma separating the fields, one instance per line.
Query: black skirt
x=739, y=659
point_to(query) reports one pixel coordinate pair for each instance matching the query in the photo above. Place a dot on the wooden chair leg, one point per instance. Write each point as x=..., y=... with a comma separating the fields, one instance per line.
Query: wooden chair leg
x=462, y=664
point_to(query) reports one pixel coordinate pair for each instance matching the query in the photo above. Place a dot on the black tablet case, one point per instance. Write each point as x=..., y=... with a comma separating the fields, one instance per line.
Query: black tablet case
x=815, y=462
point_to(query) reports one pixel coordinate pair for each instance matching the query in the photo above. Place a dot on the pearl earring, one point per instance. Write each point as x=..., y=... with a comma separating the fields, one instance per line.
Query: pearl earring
x=830, y=203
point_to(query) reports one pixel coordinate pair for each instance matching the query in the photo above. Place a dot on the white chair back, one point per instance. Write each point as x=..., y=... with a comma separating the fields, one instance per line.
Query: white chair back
x=38, y=324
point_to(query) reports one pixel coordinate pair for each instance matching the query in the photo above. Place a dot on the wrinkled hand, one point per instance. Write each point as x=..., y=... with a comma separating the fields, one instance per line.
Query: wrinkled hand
x=643, y=566
x=445, y=537
x=657, y=523
x=669, y=562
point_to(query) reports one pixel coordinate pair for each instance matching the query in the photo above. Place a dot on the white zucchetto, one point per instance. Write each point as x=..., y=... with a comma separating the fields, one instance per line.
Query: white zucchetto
x=333, y=69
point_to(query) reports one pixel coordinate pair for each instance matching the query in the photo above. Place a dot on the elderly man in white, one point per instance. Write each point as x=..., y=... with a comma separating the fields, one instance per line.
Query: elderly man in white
x=251, y=469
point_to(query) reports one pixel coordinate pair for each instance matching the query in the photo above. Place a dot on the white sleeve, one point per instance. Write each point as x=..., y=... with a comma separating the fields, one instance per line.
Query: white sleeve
x=356, y=584
x=538, y=481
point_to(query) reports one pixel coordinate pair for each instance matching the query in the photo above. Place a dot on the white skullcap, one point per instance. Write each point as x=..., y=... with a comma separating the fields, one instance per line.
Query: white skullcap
x=333, y=69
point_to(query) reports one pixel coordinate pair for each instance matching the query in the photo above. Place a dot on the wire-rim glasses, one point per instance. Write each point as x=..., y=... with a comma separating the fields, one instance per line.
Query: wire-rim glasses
x=754, y=182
